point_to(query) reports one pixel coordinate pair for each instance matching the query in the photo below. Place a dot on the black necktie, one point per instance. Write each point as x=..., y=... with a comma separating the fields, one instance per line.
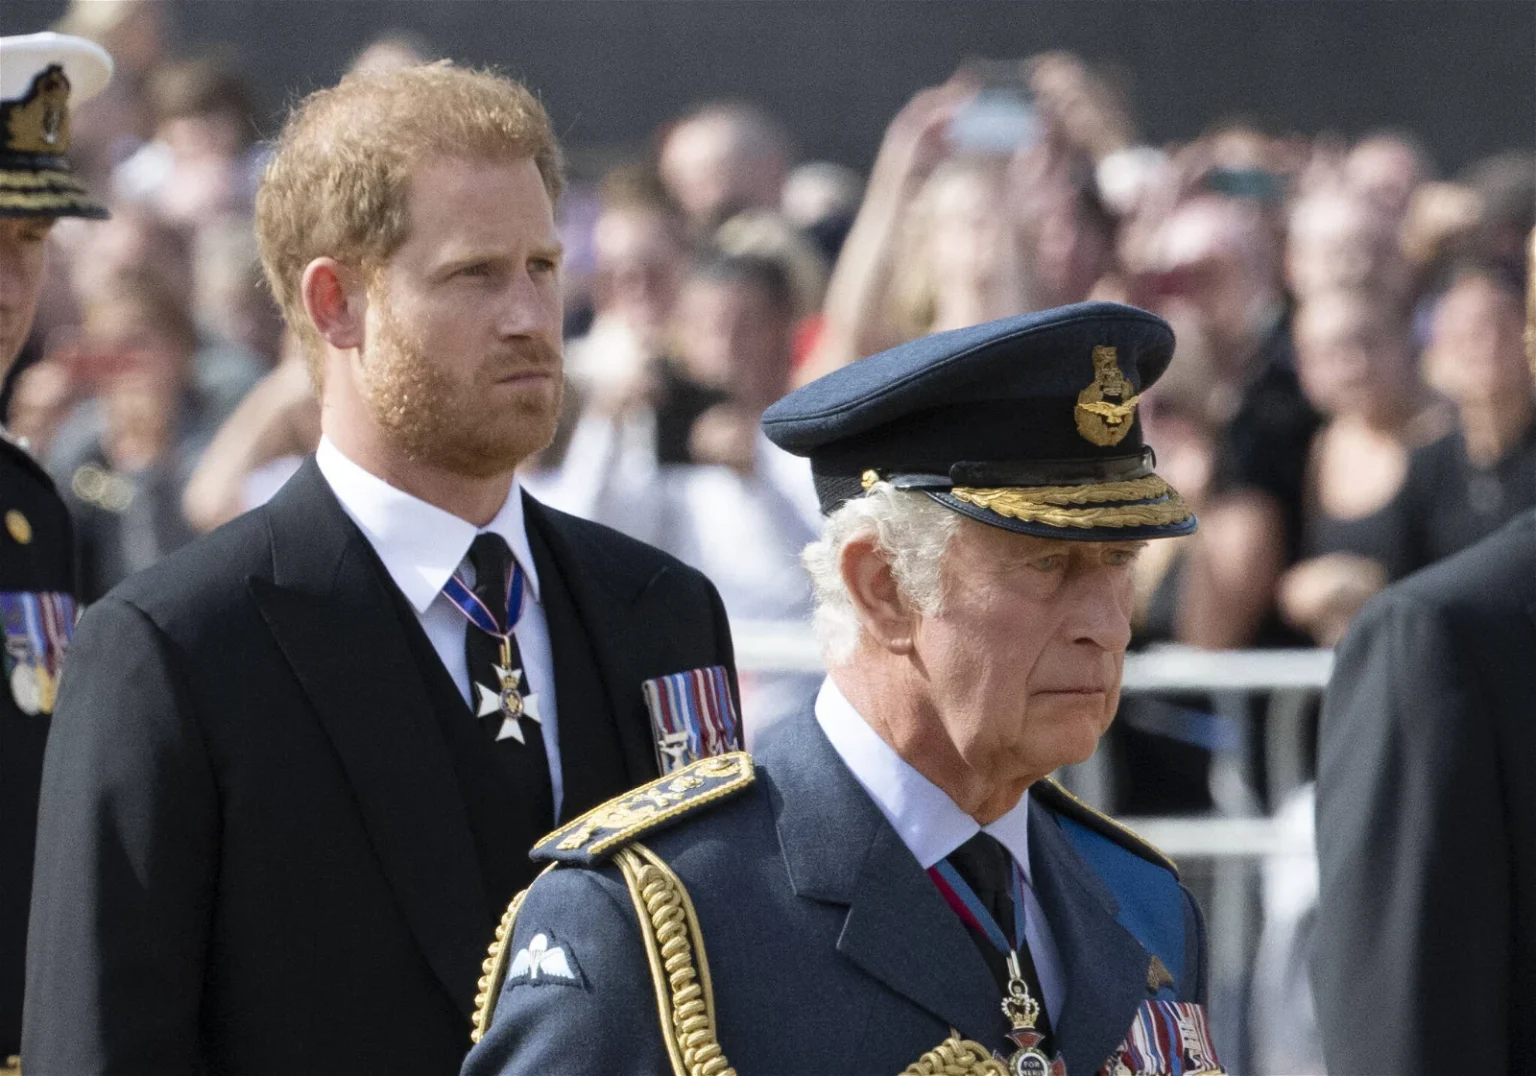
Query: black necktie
x=524, y=764
x=987, y=868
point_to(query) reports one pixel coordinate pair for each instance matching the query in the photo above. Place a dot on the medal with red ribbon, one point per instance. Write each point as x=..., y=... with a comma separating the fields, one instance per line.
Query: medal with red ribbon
x=1019, y=1005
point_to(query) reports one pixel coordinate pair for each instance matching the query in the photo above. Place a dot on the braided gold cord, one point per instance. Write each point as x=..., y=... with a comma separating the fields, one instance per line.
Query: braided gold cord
x=1015, y=504
x=957, y=1057
x=1136, y=489
x=671, y=932
x=494, y=967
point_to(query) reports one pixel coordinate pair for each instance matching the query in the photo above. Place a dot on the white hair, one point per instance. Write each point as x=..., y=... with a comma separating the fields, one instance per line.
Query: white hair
x=909, y=527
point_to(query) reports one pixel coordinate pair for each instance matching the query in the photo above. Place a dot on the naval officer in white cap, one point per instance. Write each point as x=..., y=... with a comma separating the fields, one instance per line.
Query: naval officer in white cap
x=41, y=76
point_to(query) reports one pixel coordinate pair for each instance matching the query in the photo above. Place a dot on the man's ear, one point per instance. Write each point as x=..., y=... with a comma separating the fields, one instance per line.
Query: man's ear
x=882, y=610
x=336, y=302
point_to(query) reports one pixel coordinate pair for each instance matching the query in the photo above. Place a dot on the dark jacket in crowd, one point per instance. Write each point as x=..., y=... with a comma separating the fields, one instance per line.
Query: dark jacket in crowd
x=1425, y=952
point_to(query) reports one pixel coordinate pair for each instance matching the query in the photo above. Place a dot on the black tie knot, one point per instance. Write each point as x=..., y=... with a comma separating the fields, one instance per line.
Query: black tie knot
x=987, y=868
x=491, y=558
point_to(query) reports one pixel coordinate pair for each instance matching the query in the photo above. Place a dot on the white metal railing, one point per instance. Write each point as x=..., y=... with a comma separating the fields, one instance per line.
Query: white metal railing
x=790, y=646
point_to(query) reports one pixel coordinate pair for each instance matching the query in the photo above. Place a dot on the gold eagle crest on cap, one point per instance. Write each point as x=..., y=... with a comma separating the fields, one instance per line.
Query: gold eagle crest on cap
x=1107, y=407
x=39, y=122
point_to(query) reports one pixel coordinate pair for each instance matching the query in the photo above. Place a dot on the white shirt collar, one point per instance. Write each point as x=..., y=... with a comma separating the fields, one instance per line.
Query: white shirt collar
x=420, y=544
x=928, y=822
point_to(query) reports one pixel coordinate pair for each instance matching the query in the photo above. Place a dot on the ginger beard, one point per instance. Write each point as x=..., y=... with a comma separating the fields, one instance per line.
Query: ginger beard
x=462, y=422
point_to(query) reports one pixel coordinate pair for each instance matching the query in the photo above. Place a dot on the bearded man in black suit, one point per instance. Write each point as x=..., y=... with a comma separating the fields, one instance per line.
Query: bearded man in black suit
x=296, y=768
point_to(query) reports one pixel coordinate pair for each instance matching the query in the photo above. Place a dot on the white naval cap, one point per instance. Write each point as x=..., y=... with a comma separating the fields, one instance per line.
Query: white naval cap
x=25, y=56
x=41, y=77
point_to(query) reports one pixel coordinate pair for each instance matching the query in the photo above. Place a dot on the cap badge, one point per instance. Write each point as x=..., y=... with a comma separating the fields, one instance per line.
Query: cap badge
x=39, y=122
x=1107, y=407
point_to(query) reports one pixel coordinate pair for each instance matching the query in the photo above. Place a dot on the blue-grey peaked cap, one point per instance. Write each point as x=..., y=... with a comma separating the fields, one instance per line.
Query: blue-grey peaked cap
x=1028, y=423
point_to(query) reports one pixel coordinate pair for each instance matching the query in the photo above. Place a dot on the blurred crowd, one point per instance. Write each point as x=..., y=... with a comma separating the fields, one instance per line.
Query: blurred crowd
x=1351, y=398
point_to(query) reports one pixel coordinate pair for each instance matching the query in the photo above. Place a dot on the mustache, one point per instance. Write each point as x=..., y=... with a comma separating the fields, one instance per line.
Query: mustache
x=526, y=355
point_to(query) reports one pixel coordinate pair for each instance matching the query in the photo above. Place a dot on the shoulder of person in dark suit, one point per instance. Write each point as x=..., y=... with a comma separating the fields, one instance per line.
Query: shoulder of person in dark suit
x=1418, y=963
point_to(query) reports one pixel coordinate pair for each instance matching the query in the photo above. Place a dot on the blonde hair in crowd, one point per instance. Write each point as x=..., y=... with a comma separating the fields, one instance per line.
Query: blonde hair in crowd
x=910, y=528
x=337, y=182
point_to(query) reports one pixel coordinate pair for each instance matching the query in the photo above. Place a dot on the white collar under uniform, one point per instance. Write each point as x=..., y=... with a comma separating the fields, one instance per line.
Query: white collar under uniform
x=931, y=824
x=420, y=546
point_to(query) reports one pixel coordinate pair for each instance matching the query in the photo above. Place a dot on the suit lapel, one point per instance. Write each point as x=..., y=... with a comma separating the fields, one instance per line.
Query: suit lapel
x=604, y=591
x=839, y=849
x=593, y=764
x=329, y=610
x=1105, y=966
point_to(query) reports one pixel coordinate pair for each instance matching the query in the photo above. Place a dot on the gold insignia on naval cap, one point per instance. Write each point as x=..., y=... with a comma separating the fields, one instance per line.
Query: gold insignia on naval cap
x=39, y=122
x=868, y=479
x=18, y=526
x=1107, y=407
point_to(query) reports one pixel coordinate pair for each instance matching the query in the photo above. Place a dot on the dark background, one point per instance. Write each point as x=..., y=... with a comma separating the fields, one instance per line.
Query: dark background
x=1459, y=73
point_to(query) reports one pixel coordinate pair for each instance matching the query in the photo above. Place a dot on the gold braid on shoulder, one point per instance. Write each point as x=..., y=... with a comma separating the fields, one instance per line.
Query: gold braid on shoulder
x=674, y=944
x=494, y=968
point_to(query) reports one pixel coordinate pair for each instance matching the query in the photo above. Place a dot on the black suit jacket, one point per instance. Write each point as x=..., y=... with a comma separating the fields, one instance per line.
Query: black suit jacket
x=1425, y=958
x=261, y=847
x=43, y=564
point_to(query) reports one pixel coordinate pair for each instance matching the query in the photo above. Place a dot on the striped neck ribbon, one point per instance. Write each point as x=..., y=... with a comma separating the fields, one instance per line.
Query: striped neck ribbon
x=963, y=899
x=466, y=601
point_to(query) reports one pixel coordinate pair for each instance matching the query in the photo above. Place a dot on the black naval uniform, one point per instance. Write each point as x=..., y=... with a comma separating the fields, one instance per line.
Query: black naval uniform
x=36, y=558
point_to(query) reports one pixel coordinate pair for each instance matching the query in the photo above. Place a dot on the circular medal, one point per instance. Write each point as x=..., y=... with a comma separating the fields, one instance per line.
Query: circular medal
x=511, y=700
x=25, y=690
x=47, y=690
x=1029, y=1063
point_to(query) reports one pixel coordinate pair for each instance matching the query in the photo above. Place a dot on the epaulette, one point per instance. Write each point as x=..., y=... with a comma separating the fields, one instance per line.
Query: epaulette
x=608, y=827
x=1061, y=801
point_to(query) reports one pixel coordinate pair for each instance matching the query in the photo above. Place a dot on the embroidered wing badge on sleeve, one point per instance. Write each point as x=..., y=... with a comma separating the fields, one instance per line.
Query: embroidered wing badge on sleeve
x=543, y=962
x=692, y=716
x=1167, y=1037
x=661, y=803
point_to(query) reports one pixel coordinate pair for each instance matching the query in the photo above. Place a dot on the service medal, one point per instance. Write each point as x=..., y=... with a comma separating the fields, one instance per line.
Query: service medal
x=508, y=701
x=25, y=688
x=1022, y=1011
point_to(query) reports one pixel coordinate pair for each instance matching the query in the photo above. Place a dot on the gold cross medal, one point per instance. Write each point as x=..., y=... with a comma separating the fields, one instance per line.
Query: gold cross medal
x=508, y=700
x=1022, y=1011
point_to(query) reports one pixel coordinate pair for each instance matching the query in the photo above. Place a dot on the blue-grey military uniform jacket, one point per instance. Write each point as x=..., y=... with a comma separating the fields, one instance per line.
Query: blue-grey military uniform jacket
x=828, y=947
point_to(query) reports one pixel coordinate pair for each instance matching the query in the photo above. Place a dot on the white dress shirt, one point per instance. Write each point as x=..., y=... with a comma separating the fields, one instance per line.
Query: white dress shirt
x=421, y=546
x=932, y=826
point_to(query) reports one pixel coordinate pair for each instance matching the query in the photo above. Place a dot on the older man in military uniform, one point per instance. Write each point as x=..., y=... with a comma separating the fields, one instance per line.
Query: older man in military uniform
x=40, y=74
x=894, y=881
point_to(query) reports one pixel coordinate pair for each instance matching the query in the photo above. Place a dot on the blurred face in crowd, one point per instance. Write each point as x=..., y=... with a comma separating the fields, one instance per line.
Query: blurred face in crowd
x=1021, y=665
x=967, y=233
x=1475, y=352
x=461, y=368
x=639, y=269
x=1386, y=169
x=125, y=333
x=1217, y=265
x=735, y=336
x=1341, y=241
x=23, y=244
x=1351, y=352
x=1071, y=251
x=133, y=244
x=718, y=164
